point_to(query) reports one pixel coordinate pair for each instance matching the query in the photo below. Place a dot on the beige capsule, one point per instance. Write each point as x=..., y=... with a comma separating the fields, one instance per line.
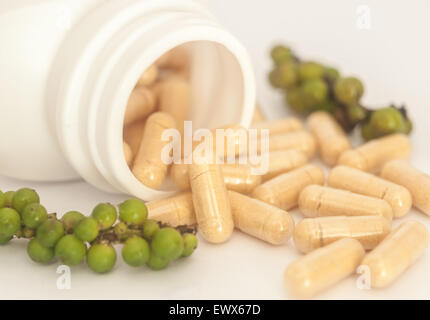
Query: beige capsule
x=331, y=139
x=149, y=76
x=177, y=58
x=284, y=161
x=372, y=155
x=175, y=99
x=128, y=154
x=237, y=177
x=174, y=211
x=261, y=220
x=149, y=167
x=299, y=140
x=311, y=234
x=416, y=181
x=357, y=181
x=399, y=250
x=323, y=268
x=285, y=125
x=141, y=103
x=133, y=134
x=283, y=191
x=318, y=201
x=211, y=202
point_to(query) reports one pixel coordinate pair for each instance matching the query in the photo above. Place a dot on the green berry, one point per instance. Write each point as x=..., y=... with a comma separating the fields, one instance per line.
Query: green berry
x=284, y=76
x=368, y=132
x=4, y=240
x=49, y=232
x=24, y=197
x=71, y=219
x=34, y=215
x=295, y=100
x=105, y=214
x=190, y=244
x=8, y=197
x=133, y=212
x=387, y=120
x=356, y=113
x=314, y=92
x=328, y=106
x=167, y=244
x=101, y=258
x=87, y=229
x=136, y=252
x=121, y=230
x=39, y=253
x=331, y=74
x=310, y=71
x=10, y=222
x=70, y=250
x=150, y=228
x=281, y=54
x=348, y=90
x=2, y=199
x=157, y=263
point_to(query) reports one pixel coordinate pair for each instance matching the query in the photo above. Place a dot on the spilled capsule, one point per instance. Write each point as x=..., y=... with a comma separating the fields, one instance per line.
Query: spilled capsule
x=371, y=156
x=416, y=181
x=357, y=181
x=283, y=191
x=323, y=268
x=399, y=250
x=174, y=211
x=261, y=220
x=319, y=201
x=311, y=234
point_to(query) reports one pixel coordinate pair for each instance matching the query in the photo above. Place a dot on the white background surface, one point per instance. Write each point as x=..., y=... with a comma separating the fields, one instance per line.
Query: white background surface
x=392, y=58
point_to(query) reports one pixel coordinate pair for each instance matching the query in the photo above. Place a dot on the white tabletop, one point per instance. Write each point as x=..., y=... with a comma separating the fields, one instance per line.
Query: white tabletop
x=392, y=59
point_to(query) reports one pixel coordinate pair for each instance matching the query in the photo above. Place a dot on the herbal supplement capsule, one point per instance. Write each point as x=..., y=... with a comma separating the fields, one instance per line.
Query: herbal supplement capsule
x=357, y=181
x=175, y=211
x=258, y=114
x=311, y=234
x=331, y=139
x=399, y=250
x=133, y=135
x=416, y=181
x=149, y=76
x=177, y=58
x=317, y=201
x=211, y=202
x=283, y=191
x=300, y=140
x=149, y=167
x=175, y=99
x=285, y=125
x=261, y=220
x=323, y=267
x=128, y=154
x=237, y=177
x=140, y=104
x=284, y=161
x=372, y=155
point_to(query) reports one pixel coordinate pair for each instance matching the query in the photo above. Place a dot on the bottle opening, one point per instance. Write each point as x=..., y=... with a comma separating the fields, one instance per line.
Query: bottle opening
x=197, y=85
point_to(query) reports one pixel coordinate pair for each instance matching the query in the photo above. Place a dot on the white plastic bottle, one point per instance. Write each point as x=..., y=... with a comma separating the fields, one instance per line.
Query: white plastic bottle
x=67, y=68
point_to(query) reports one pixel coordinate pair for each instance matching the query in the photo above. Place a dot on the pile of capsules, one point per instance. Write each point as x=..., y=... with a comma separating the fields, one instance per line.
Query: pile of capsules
x=350, y=215
x=160, y=101
x=310, y=86
x=145, y=241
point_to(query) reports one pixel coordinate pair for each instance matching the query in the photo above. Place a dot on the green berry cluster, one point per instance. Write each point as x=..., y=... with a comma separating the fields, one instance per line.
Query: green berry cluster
x=311, y=86
x=75, y=237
